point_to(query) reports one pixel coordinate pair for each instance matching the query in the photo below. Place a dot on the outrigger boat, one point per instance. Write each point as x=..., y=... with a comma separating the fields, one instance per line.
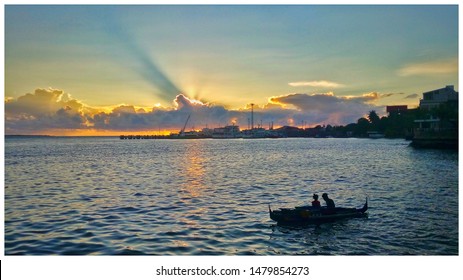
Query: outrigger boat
x=315, y=215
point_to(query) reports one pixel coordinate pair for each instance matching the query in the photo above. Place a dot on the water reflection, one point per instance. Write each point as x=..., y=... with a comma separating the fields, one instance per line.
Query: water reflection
x=194, y=169
x=192, y=174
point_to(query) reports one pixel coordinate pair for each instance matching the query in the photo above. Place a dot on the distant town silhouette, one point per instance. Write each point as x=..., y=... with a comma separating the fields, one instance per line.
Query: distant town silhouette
x=433, y=124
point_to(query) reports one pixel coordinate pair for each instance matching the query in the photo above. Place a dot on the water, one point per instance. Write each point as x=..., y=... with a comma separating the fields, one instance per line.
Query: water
x=105, y=196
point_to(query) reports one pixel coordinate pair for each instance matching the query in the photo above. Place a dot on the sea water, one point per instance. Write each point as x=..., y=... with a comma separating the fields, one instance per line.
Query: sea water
x=106, y=196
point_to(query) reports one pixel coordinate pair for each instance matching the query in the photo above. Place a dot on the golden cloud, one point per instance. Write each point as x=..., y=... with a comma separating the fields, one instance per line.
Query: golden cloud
x=440, y=67
x=319, y=84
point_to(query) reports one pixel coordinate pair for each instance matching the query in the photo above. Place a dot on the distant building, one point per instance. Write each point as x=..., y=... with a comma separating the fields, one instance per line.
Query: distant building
x=229, y=131
x=396, y=109
x=435, y=98
x=439, y=128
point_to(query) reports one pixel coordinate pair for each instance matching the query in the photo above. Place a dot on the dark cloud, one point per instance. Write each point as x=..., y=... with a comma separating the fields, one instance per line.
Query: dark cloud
x=386, y=95
x=411, y=96
x=327, y=108
x=44, y=109
x=128, y=118
x=42, y=101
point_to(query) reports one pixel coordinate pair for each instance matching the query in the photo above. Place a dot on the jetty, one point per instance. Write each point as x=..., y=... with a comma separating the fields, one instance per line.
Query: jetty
x=130, y=137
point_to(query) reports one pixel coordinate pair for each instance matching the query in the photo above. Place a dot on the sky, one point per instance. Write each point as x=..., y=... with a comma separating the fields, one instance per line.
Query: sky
x=108, y=70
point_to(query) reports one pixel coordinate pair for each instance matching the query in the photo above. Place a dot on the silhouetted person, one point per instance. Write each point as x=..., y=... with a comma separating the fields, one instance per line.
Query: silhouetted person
x=315, y=202
x=329, y=202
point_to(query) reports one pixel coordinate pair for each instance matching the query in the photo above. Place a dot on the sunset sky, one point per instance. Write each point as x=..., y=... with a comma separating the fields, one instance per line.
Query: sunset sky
x=101, y=70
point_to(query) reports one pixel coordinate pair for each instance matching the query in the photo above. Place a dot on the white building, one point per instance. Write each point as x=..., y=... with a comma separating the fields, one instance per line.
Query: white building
x=229, y=131
x=434, y=98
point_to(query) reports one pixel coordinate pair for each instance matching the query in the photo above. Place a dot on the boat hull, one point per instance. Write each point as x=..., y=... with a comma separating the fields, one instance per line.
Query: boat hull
x=310, y=215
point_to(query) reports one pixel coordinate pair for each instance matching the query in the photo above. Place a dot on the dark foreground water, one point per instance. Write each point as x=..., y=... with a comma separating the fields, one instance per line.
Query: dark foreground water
x=105, y=196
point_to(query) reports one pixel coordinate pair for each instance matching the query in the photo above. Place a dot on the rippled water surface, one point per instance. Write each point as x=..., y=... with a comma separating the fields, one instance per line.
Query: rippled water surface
x=105, y=196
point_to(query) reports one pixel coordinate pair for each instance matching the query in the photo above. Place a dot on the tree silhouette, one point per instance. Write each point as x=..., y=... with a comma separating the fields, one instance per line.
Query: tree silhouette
x=362, y=127
x=373, y=117
x=374, y=120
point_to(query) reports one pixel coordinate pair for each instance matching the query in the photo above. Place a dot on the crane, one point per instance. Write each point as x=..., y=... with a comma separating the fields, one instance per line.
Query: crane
x=182, y=132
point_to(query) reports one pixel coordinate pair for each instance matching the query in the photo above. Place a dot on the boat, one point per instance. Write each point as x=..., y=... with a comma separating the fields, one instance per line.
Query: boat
x=315, y=215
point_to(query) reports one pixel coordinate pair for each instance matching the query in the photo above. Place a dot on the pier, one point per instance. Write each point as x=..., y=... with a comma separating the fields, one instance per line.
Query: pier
x=130, y=137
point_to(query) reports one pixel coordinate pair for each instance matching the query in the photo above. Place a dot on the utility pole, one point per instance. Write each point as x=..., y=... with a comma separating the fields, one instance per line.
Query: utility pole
x=252, y=116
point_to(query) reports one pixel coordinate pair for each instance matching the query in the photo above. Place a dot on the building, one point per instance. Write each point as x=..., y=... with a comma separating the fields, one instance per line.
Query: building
x=439, y=129
x=396, y=109
x=229, y=131
x=433, y=99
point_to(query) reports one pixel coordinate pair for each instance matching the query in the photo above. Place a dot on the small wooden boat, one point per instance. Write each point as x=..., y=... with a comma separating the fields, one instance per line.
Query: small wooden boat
x=315, y=215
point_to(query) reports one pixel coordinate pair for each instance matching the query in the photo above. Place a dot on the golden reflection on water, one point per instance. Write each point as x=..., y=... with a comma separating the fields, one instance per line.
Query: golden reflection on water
x=194, y=171
x=180, y=243
x=192, y=187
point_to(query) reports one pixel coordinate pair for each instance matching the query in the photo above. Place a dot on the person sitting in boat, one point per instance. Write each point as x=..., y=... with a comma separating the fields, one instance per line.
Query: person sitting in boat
x=315, y=202
x=329, y=202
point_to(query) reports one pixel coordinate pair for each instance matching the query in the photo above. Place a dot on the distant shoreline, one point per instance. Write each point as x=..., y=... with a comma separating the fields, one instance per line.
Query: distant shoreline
x=53, y=136
x=26, y=135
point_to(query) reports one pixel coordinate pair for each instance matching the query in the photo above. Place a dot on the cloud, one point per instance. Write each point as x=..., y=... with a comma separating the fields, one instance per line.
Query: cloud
x=50, y=108
x=366, y=97
x=47, y=110
x=429, y=68
x=386, y=95
x=42, y=101
x=411, y=96
x=319, y=84
x=328, y=108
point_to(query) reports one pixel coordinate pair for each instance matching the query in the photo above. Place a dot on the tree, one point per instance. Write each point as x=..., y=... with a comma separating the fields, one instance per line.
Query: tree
x=362, y=127
x=373, y=117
